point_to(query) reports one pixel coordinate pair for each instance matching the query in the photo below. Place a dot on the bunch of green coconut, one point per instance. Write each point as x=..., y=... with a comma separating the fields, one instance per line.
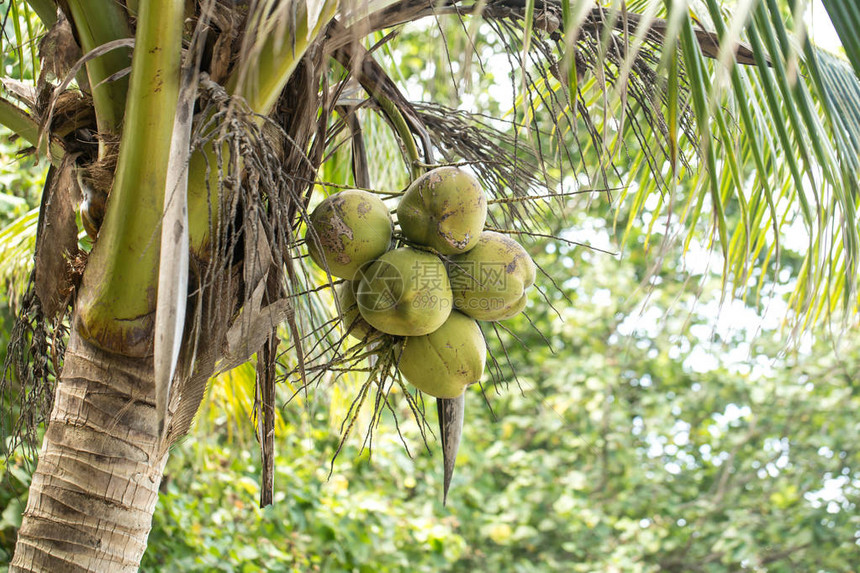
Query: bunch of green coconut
x=427, y=284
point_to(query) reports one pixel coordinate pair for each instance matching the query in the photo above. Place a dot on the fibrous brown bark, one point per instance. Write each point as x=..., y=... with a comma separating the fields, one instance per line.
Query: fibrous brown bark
x=100, y=466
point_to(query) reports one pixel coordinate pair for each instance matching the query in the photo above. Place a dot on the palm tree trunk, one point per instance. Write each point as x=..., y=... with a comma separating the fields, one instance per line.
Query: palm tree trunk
x=96, y=484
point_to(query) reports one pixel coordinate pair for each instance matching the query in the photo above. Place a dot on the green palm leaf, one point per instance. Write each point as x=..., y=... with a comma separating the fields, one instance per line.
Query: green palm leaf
x=845, y=17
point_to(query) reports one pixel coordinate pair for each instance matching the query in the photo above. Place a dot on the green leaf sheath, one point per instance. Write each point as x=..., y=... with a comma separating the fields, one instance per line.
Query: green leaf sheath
x=98, y=22
x=46, y=10
x=261, y=76
x=117, y=301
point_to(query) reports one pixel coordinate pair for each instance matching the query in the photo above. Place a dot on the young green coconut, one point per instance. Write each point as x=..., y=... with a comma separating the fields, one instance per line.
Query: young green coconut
x=405, y=292
x=352, y=321
x=490, y=281
x=444, y=209
x=347, y=230
x=444, y=362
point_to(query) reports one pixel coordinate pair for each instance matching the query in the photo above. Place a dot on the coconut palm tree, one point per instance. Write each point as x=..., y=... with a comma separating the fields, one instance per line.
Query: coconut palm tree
x=187, y=139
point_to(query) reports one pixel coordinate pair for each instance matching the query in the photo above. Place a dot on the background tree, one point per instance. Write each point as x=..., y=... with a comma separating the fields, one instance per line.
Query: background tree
x=270, y=106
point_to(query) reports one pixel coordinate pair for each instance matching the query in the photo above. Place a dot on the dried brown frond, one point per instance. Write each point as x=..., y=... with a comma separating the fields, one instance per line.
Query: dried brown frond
x=98, y=174
x=32, y=365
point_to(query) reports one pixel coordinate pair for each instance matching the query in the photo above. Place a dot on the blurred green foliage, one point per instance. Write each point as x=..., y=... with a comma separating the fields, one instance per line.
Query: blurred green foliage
x=21, y=180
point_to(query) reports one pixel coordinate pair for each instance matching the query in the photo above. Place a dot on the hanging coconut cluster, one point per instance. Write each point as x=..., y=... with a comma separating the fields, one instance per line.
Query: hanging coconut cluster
x=428, y=284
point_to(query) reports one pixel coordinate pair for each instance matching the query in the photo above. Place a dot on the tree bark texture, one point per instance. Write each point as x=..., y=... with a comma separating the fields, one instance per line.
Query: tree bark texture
x=100, y=466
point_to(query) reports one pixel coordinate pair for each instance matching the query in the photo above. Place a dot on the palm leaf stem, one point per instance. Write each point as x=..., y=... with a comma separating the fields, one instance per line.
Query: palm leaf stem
x=98, y=22
x=23, y=125
x=117, y=299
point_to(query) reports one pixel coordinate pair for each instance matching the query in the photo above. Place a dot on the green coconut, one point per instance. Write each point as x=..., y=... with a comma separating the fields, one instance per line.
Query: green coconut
x=490, y=281
x=352, y=321
x=405, y=292
x=347, y=230
x=445, y=209
x=447, y=360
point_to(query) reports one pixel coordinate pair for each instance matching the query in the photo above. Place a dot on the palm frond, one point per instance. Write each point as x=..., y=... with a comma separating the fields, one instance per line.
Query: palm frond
x=620, y=95
x=845, y=17
x=19, y=42
x=840, y=97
